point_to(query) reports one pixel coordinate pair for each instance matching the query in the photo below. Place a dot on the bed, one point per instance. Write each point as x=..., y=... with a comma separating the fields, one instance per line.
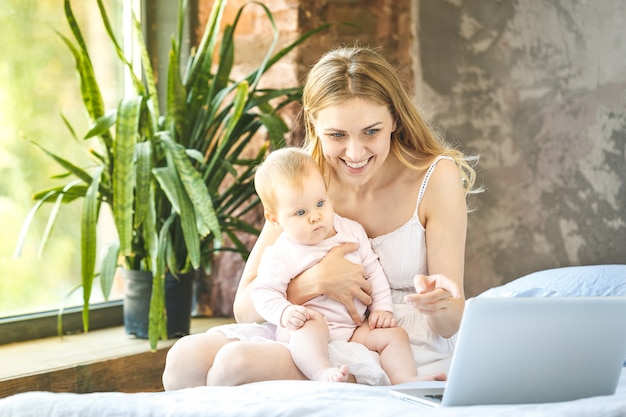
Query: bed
x=300, y=398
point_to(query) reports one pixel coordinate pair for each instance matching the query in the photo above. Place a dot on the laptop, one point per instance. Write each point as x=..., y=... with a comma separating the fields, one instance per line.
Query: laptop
x=531, y=350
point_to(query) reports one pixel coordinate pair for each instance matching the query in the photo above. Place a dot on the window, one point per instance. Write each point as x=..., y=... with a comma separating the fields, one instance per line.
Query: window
x=38, y=84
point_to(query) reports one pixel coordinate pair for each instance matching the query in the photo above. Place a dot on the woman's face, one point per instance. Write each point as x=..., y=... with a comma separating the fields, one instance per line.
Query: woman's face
x=355, y=137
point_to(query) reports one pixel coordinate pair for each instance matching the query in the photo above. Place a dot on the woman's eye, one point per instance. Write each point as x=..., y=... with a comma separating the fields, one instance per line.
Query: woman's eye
x=300, y=213
x=336, y=135
x=370, y=132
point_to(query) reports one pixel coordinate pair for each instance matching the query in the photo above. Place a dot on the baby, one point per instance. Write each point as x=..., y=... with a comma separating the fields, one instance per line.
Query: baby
x=294, y=198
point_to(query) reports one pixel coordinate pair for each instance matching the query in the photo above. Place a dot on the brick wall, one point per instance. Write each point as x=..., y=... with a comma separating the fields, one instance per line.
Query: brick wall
x=385, y=24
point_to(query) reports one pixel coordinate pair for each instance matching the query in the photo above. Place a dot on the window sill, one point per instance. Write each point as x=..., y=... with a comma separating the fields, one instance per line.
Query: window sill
x=101, y=360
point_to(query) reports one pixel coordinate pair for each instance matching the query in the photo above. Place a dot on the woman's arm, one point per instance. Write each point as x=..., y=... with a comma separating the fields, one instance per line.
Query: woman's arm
x=243, y=308
x=333, y=276
x=443, y=211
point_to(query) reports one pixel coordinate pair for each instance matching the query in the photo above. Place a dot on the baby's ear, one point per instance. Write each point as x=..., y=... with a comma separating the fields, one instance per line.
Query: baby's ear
x=271, y=217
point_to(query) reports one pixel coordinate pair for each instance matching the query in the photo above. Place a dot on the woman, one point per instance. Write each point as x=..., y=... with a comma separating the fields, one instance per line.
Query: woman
x=386, y=169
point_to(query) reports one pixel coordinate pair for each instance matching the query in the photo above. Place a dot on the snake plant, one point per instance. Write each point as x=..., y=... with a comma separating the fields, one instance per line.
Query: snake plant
x=177, y=179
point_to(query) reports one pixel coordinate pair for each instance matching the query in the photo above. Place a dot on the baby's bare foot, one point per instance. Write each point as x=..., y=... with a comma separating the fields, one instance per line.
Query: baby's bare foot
x=339, y=374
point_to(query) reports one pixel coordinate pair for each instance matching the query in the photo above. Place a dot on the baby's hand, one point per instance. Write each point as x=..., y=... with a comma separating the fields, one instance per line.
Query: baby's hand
x=381, y=319
x=295, y=316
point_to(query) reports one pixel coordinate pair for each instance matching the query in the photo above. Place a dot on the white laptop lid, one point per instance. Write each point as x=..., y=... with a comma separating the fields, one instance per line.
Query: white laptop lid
x=535, y=350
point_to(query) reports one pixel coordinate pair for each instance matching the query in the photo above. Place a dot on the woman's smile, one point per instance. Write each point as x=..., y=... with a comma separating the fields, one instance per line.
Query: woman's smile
x=357, y=165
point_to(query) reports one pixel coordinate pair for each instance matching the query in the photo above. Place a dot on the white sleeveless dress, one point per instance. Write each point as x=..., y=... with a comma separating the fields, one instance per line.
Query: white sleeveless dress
x=402, y=254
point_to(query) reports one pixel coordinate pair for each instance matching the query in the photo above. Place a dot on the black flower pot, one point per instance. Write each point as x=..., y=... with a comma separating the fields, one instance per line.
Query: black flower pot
x=178, y=301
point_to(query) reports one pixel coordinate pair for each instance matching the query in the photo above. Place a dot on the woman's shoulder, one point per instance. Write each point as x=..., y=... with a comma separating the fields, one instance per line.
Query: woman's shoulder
x=426, y=172
x=444, y=173
x=443, y=189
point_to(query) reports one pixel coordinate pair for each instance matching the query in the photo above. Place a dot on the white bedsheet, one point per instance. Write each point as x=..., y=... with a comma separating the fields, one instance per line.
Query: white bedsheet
x=284, y=398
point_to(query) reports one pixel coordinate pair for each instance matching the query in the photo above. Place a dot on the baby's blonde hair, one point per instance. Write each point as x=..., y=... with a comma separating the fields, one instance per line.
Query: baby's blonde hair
x=286, y=166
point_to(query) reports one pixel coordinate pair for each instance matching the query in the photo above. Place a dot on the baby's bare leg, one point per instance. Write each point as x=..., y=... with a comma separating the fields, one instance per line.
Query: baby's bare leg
x=392, y=344
x=309, y=349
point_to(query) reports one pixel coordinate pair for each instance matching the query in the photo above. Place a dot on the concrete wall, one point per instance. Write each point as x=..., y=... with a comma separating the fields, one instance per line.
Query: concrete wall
x=537, y=88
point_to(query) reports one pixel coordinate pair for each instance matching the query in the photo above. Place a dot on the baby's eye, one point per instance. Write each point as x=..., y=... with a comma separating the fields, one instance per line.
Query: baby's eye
x=321, y=203
x=300, y=213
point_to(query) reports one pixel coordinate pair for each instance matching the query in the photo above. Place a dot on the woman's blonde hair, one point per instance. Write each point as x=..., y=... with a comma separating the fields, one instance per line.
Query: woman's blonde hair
x=283, y=166
x=361, y=72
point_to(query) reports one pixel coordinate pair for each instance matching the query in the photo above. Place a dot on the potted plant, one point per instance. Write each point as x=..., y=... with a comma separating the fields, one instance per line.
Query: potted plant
x=176, y=180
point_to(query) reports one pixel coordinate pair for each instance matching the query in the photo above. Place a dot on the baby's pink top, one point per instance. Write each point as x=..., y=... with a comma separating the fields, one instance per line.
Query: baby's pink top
x=286, y=259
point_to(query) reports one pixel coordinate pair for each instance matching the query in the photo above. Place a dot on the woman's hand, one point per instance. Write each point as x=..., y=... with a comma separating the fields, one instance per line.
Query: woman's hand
x=335, y=277
x=435, y=294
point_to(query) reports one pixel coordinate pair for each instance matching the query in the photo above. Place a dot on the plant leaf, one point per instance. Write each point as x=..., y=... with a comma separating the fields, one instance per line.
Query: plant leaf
x=203, y=60
x=148, y=74
x=70, y=195
x=149, y=232
x=239, y=103
x=88, y=242
x=62, y=308
x=108, y=267
x=254, y=79
x=176, y=98
x=276, y=126
x=157, y=319
x=280, y=54
x=53, y=216
x=102, y=125
x=69, y=127
x=225, y=63
x=21, y=240
x=195, y=155
x=182, y=206
x=143, y=152
x=120, y=52
x=90, y=91
x=196, y=190
x=80, y=173
x=124, y=171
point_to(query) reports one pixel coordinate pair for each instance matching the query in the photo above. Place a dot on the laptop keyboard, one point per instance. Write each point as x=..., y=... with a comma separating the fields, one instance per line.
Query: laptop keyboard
x=437, y=397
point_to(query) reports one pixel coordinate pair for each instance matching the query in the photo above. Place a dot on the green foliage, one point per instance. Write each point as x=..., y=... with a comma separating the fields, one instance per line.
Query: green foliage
x=177, y=181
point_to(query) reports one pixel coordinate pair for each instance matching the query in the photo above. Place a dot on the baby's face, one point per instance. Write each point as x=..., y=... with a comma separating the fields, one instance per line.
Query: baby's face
x=306, y=214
